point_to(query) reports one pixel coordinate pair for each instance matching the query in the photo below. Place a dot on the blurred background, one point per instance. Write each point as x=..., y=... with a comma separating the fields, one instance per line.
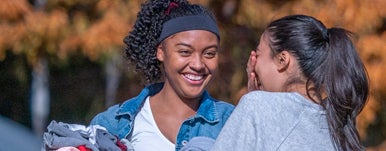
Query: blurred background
x=63, y=60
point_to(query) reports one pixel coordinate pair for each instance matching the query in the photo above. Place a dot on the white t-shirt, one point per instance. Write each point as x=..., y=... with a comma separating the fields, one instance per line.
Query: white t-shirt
x=146, y=135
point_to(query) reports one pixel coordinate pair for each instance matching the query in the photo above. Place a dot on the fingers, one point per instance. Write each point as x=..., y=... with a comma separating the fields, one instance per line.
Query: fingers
x=251, y=63
x=252, y=80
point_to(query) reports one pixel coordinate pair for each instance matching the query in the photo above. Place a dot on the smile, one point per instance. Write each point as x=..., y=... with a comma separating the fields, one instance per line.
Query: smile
x=193, y=77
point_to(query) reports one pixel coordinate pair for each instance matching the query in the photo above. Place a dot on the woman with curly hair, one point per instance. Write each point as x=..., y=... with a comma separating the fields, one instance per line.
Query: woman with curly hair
x=175, y=45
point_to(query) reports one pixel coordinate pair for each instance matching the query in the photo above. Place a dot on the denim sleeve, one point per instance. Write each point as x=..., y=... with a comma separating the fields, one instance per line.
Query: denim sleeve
x=107, y=119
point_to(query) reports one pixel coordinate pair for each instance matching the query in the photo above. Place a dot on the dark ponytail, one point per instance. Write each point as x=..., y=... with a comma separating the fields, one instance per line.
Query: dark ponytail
x=142, y=41
x=346, y=85
x=328, y=58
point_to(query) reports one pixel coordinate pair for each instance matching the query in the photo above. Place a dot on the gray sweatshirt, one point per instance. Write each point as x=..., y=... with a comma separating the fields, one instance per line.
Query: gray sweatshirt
x=272, y=121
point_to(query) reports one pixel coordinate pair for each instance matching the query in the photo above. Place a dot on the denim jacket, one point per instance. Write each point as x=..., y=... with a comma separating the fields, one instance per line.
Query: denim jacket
x=208, y=121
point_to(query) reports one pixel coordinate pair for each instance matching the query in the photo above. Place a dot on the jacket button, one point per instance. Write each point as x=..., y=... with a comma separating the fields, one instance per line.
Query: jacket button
x=184, y=142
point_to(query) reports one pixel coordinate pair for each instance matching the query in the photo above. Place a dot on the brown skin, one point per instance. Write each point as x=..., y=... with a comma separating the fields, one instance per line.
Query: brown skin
x=190, y=60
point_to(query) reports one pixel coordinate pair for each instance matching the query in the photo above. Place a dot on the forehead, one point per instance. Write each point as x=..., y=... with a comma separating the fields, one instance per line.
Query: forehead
x=264, y=40
x=194, y=36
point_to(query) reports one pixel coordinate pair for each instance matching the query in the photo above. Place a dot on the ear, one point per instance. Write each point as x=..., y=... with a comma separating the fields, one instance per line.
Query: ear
x=160, y=53
x=282, y=60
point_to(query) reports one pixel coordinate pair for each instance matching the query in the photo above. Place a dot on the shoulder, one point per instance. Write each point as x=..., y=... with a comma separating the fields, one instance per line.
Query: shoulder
x=219, y=106
x=117, y=119
x=224, y=109
x=256, y=100
x=129, y=107
x=272, y=99
x=106, y=116
x=107, y=119
x=224, y=105
x=263, y=104
x=112, y=113
x=276, y=107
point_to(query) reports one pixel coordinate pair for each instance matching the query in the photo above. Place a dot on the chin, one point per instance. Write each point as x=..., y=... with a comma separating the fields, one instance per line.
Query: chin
x=194, y=94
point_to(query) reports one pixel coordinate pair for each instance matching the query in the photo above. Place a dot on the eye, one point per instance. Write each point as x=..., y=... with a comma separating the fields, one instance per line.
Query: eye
x=210, y=54
x=184, y=52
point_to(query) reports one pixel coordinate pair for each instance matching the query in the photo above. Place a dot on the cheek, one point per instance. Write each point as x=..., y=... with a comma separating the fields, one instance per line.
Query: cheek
x=176, y=60
x=262, y=70
x=258, y=66
x=212, y=65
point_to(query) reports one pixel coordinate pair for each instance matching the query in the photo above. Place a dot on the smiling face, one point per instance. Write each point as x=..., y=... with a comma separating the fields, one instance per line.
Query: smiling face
x=190, y=60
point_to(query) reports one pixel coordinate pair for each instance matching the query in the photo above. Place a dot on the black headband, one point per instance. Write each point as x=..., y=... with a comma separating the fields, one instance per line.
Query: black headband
x=185, y=23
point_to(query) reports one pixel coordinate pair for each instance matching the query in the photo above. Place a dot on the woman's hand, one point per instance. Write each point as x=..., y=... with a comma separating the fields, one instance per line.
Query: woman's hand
x=252, y=80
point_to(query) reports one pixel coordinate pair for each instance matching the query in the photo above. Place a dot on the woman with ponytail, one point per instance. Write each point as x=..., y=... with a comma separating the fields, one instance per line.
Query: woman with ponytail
x=307, y=85
x=175, y=45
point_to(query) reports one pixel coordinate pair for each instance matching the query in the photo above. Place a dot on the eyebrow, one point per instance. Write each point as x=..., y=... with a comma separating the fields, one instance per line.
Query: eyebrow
x=190, y=46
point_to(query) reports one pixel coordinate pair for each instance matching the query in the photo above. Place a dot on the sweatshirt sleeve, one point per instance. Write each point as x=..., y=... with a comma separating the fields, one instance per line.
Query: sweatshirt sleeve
x=239, y=132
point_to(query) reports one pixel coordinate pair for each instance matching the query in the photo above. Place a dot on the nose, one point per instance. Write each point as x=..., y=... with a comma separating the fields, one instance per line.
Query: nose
x=197, y=63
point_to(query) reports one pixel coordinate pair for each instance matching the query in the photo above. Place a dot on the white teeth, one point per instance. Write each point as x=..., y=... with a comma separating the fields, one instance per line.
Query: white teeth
x=193, y=77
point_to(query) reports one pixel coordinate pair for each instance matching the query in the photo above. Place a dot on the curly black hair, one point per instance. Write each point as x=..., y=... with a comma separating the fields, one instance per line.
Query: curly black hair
x=142, y=41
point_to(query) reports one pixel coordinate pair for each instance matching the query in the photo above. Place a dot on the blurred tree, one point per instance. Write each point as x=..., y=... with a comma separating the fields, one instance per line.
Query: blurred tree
x=98, y=32
x=47, y=30
x=31, y=31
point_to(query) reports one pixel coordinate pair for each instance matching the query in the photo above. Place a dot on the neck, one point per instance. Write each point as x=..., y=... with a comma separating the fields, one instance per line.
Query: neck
x=302, y=89
x=167, y=99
